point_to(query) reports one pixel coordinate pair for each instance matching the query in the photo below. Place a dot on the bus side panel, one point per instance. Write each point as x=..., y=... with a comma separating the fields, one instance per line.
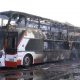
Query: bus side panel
x=2, y=61
x=11, y=60
x=57, y=55
x=38, y=57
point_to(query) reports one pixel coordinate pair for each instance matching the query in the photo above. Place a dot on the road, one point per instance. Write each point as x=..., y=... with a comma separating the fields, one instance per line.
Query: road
x=67, y=70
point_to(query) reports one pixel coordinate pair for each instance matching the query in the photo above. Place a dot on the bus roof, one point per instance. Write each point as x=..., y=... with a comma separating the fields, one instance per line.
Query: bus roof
x=9, y=13
x=33, y=17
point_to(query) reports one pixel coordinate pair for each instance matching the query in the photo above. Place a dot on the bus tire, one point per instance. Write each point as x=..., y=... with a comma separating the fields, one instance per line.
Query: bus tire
x=28, y=60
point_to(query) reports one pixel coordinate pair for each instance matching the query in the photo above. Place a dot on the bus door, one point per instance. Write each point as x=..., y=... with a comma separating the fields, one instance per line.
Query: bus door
x=10, y=46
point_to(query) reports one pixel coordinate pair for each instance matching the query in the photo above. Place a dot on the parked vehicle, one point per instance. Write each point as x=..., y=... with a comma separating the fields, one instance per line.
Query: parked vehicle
x=27, y=39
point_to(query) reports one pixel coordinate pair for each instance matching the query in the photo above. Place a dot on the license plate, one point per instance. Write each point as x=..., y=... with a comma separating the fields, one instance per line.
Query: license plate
x=11, y=59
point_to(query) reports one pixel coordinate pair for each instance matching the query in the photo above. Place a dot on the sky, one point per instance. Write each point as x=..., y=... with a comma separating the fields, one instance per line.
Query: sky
x=58, y=10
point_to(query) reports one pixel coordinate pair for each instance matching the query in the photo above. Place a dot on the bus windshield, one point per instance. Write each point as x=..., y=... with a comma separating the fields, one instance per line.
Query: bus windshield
x=3, y=20
x=15, y=20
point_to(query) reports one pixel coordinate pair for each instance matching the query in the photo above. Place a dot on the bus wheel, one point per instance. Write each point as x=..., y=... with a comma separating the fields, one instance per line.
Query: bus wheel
x=28, y=60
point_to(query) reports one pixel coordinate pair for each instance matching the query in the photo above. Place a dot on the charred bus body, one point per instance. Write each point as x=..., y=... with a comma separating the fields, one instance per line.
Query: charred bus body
x=27, y=39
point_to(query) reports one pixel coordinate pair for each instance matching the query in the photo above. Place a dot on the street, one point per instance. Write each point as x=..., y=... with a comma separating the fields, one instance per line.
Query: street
x=49, y=71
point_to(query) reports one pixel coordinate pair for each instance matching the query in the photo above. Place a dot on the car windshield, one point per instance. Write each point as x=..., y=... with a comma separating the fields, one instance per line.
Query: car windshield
x=3, y=20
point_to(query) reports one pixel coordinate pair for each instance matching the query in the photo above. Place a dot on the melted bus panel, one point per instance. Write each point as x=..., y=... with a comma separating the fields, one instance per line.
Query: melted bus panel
x=32, y=39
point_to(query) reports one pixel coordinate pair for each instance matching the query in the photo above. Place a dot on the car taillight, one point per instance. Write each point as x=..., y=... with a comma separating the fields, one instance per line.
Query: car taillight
x=1, y=54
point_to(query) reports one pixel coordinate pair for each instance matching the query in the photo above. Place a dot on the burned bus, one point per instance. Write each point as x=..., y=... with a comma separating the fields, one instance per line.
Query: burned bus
x=27, y=39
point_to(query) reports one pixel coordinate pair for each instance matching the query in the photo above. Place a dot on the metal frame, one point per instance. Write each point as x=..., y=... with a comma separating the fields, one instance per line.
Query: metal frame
x=48, y=23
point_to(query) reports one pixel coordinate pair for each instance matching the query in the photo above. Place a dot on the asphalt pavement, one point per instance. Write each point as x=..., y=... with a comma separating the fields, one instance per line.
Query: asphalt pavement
x=65, y=70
